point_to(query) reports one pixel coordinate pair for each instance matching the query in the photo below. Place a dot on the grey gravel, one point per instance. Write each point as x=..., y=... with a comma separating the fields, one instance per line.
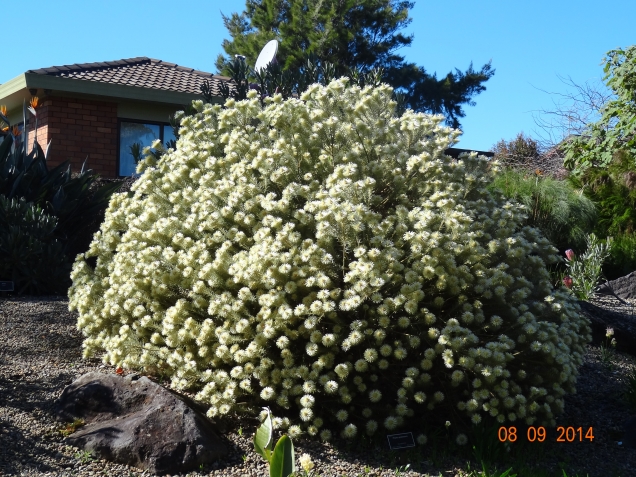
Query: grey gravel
x=41, y=354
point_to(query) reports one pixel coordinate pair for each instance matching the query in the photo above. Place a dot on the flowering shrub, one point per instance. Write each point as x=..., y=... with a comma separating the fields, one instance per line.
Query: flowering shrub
x=323, y=257
x=585, y=271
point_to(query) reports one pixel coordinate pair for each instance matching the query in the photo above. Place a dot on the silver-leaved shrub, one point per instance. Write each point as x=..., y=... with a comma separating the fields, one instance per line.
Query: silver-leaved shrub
x=323, y=257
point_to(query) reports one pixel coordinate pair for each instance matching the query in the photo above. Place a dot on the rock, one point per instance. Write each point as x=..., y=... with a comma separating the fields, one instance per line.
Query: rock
x=607, y=312
x=623, y=287
x=629, y=438
x=134, y=421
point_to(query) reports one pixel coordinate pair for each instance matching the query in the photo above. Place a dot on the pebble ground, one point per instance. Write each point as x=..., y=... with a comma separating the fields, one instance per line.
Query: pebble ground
x=41, y=354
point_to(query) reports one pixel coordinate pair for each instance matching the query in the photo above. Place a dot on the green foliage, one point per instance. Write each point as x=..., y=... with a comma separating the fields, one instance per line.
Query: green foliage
x=602, y=160
x=616, y=130
x=350, y=34
x=486, y=473
x=322, y=256
x=281, y=459
x=71, y=427
x=263, y=439
x=585, y=270
x=25, y=175
x=613, y=189
x=562, y=213
x=273, y=80
x=31, y=256
x=622, y=258
x=487, y=448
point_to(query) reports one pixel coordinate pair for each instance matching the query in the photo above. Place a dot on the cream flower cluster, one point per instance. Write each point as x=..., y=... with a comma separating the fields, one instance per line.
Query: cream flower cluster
x=324, y=257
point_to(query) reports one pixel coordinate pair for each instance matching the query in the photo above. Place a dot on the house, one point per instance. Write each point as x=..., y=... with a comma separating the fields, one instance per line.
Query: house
x=98, y=110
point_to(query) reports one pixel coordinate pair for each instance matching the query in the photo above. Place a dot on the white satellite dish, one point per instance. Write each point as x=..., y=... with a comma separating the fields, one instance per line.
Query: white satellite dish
x=266, y=56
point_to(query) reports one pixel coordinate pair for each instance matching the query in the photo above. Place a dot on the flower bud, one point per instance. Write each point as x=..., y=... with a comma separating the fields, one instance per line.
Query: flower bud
x=569, y=253
x=567, y=281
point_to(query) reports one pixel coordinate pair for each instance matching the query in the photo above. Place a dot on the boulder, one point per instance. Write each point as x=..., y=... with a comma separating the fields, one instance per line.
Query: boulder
x=608, y=312
x=623, y=287
x=132, y=420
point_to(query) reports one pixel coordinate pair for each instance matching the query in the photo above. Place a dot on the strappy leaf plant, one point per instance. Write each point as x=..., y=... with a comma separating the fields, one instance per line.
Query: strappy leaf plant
x=28, y=184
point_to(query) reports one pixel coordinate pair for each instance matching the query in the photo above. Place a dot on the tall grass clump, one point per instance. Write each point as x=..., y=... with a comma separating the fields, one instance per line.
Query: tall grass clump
x=323, y=257
x=556, y=207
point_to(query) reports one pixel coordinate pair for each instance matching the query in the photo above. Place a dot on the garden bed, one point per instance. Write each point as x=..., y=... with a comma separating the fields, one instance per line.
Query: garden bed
x=42, y=354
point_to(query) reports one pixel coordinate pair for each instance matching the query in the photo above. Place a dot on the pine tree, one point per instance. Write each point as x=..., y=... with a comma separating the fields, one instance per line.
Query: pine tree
x=361, y=34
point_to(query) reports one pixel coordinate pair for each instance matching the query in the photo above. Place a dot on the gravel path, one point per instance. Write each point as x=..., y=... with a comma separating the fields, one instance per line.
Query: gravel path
x=41, y=354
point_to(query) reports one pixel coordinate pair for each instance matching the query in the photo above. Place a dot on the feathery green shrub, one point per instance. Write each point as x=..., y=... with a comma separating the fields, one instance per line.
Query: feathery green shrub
x=562, y=213
x=322, y=256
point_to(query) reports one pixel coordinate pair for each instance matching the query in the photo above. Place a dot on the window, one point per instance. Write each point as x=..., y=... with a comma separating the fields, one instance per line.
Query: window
x=131, y=132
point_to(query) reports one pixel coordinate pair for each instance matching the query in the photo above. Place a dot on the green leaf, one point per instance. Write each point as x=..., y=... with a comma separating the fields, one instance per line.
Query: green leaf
x=263, y=437
x=282, y=463
x=5, y=147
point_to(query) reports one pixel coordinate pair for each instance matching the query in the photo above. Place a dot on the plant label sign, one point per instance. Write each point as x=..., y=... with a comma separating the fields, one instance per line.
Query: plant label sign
x=401, y=441
x=6, y=286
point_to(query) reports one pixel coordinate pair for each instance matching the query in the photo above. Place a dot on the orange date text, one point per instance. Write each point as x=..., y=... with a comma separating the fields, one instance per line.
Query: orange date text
x=539, y=434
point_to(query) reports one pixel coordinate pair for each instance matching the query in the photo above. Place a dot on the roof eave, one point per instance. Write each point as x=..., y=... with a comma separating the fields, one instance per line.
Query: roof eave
x=13, y=86
x=70, y=85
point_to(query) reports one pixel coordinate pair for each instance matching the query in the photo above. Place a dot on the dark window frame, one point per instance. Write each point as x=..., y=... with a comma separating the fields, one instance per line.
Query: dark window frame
x=161, y=125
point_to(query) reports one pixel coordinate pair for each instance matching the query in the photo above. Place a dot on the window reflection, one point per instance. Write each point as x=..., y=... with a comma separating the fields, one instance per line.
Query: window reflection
x=168, y=136
x=129, y=134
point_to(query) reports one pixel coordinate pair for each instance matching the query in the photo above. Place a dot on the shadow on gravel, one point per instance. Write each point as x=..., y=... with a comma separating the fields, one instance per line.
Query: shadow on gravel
x=13, y=441
x=43, y=346
x=12, y=444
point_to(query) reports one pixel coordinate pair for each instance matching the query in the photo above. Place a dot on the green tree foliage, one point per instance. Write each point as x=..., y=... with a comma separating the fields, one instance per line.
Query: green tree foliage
x=273, y=80
x=362, y=34
x=322, y=256
x=603, y=161
x=613, y=188
x=616, y=130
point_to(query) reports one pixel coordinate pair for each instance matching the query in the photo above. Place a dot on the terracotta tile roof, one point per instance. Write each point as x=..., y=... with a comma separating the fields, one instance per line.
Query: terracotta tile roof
x=143, y=72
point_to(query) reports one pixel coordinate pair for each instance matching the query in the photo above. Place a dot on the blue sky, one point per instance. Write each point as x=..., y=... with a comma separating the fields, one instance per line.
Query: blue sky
x=530, y=44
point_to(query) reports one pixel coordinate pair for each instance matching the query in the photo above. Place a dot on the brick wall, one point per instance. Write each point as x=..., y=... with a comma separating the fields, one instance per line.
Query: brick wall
x=79, y=128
